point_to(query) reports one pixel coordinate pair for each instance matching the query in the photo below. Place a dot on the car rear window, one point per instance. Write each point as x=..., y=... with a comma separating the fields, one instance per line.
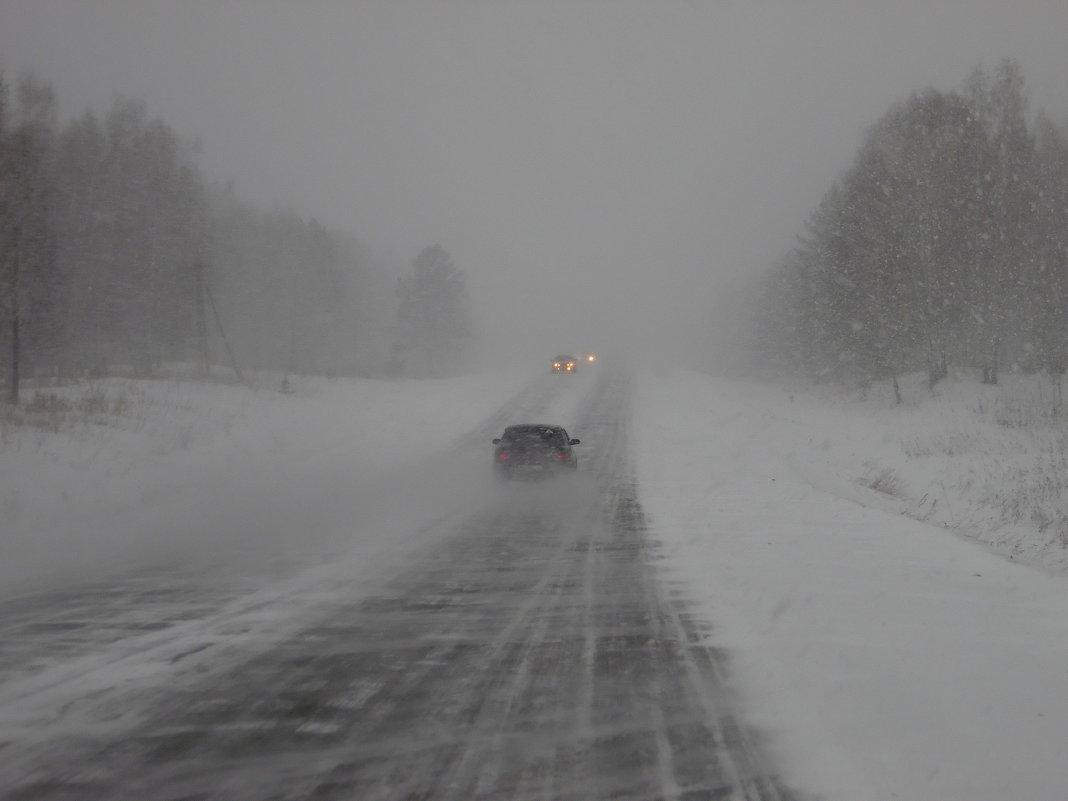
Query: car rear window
x=534, y=435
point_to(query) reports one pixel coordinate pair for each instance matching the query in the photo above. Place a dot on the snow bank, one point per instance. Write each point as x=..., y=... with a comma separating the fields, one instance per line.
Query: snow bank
x=885, y=657
x=123, y=471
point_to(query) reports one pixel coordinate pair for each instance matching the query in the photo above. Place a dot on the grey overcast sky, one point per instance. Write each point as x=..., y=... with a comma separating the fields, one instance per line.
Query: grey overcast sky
x=594, y=166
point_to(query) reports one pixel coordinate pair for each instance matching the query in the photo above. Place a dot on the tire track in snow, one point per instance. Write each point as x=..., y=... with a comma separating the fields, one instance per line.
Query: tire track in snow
x=532, y=653
x=67, y=651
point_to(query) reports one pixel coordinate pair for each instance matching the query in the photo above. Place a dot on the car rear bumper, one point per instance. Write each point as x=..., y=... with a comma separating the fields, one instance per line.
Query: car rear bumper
x=534, y=471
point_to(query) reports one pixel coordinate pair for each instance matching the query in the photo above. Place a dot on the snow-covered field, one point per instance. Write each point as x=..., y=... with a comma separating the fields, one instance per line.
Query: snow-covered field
x=887, y=657
x=125, y=471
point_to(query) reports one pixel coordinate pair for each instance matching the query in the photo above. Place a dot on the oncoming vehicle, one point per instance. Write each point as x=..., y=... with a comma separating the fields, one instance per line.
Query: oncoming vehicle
x=533, y=450
x=565, y=364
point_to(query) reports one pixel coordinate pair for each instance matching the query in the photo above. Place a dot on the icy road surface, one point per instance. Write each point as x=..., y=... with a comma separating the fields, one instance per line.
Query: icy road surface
x=527, y=648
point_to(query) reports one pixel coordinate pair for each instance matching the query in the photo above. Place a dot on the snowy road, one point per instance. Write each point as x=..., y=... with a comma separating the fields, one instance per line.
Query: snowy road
x=528, y=649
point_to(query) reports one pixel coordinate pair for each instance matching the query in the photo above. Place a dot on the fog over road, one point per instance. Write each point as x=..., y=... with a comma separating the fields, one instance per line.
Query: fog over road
x=529, y=650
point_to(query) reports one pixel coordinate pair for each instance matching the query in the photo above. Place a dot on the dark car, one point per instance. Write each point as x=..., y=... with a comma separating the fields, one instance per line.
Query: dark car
x=565, y=364
x=533, y=450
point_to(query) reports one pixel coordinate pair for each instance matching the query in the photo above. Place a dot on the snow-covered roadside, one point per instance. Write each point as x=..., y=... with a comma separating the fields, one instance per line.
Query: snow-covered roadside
x=159, y=467
x=988, y=462
x=887, y=658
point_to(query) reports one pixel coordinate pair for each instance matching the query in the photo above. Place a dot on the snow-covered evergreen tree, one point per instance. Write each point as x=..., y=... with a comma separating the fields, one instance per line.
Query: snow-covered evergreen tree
x=433, y=318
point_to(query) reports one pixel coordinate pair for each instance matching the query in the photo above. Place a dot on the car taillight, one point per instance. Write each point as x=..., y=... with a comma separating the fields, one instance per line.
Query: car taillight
x=502, y=456
x=562, y=456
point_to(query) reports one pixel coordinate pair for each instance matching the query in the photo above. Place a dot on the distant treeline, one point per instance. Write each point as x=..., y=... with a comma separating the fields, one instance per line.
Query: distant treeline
x=114, y=250
x=945, y=245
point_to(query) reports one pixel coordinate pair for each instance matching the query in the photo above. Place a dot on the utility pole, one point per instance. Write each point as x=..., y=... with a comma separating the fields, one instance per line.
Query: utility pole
x=286, y=386
x=202, y=318
x=222, y=333
x=13, y=390
x=293, y=326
